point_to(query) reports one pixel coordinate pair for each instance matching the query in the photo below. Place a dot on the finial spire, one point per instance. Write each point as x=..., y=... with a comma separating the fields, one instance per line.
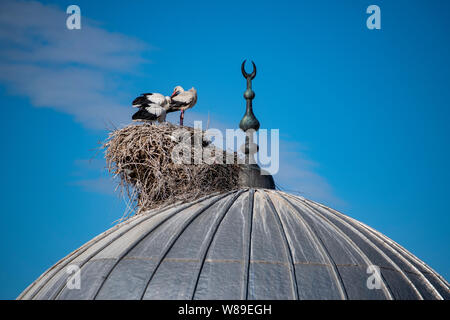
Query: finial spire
x=249, y=120
x=249, y=124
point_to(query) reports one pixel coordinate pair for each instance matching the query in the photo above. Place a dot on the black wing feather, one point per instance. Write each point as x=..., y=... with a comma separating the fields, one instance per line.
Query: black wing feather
x=143, y=114
x=140, y=100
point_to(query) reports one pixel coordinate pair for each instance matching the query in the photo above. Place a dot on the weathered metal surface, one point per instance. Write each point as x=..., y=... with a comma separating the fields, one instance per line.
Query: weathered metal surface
x=245, y=244
x=250, y=176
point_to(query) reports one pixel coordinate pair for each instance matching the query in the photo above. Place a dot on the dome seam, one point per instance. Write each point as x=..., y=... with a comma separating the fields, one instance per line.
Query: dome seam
x=175, y=237
x=323, y=248
x=286, y=245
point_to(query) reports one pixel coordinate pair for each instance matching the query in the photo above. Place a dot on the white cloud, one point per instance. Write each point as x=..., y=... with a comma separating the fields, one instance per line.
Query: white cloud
x=66, y=70
x=299, y=175
x=95, y=178
x=98, y=185
x=78, y=72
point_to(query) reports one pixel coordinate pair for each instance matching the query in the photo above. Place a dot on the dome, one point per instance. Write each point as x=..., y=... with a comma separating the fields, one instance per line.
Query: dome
x=244, y=244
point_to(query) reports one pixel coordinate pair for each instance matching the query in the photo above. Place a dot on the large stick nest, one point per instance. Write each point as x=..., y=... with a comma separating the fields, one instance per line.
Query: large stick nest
x=140, y=155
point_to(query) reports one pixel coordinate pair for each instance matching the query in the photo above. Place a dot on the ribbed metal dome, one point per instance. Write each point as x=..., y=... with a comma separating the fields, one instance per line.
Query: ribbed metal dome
x=246, y=244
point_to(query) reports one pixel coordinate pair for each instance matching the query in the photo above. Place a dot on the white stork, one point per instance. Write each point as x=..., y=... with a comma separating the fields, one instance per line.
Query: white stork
x=182, y=100
x=150, y=113
x=152, y=107
x=151, y=98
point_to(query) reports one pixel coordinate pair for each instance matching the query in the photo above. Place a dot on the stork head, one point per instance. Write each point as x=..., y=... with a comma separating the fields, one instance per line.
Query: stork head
x=177, y=90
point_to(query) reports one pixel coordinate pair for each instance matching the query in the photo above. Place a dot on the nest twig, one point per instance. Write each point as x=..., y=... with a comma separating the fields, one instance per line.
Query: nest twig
x=141, y=156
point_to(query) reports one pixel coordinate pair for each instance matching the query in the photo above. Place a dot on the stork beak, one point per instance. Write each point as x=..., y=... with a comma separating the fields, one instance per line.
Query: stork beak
x=174, y=93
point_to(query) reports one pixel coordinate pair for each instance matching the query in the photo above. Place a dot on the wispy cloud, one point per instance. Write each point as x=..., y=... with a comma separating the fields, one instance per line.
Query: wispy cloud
x=91, y=176
x=66, y=70
x=78, y=72
x=98, y=185
x=298, y=174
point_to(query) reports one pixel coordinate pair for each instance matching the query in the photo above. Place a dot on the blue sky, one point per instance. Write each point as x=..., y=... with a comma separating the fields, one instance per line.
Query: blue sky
x=363, y=114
